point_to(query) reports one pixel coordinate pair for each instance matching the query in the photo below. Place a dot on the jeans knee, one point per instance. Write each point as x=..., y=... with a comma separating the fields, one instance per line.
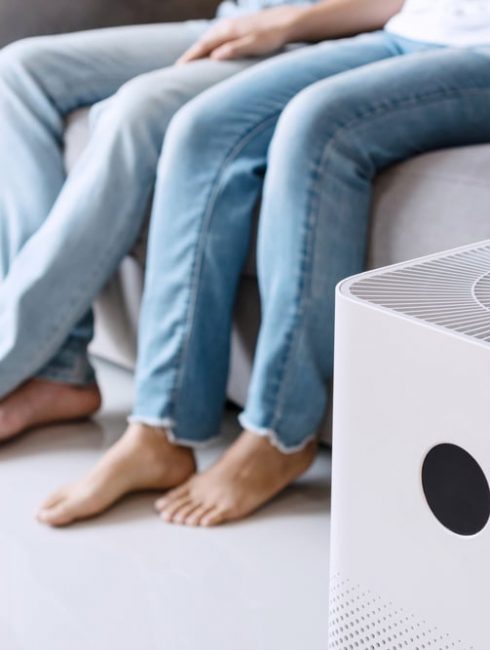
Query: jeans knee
x=138, y=109
x=323, y=118
x=135, y=111
x=305, y=122
x=195, y=127
x=26, y=54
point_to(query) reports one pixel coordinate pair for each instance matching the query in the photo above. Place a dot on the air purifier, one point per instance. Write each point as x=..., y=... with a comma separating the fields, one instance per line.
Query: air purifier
x=410, y=553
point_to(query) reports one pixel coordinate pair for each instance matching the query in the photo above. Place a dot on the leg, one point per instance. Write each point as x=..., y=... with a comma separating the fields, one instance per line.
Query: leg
x=180, y=372
x=41, y=80
x=316, y=207
x=185, y=324
x=72, y=260
x=208, y=180
x=328, y=145
x=128, y=130
x=210, y=176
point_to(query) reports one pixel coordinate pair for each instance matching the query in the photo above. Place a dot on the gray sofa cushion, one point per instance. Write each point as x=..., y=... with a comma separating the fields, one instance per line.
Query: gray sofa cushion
x=431, y=203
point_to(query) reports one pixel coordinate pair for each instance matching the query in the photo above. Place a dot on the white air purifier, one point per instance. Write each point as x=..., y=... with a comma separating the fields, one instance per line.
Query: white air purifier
x=410, y=555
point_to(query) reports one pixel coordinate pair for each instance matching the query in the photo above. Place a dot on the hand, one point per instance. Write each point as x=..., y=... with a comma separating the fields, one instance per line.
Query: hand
x=247, y=36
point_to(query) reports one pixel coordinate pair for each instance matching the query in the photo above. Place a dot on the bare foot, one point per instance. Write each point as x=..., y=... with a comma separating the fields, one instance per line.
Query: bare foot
x=248, y=475
x=44, y=402
x=143, y=459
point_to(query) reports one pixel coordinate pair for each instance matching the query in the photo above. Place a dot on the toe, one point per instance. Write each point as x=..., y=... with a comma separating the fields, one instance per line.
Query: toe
x=169, y=512
x=180, y=517
x=171, y=497
x=52, y=500
x=195, y=517
x=80, y=503
x=213, y=517
x=59, y=514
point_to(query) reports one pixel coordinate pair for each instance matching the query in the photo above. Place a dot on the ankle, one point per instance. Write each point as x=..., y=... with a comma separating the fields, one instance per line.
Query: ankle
x=164, y=460
x=154, y=438
x=272, y=442
x=144, y=434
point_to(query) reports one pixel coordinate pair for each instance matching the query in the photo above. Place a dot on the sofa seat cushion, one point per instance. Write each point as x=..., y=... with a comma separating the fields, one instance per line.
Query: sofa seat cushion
x=431, y=203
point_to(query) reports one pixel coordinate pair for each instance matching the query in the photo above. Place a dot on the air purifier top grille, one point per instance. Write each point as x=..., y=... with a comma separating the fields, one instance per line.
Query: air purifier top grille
x=450, y=290
x=361, y=620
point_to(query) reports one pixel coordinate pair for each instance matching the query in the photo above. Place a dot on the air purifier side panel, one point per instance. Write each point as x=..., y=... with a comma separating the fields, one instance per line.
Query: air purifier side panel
x=401, y=388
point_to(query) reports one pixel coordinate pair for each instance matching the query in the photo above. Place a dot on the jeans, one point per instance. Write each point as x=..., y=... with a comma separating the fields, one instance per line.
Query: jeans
x=62, y=238
x=310, y=130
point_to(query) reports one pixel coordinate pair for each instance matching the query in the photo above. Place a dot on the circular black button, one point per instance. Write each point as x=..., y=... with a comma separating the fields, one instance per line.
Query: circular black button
x=456, y=489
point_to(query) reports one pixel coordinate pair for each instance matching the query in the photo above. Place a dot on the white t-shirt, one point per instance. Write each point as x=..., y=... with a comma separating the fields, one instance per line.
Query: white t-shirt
x=448, y=22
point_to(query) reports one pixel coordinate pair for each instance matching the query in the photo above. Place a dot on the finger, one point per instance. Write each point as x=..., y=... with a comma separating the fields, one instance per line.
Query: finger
x=197, y=51
x=240, y=48
x=204, y=46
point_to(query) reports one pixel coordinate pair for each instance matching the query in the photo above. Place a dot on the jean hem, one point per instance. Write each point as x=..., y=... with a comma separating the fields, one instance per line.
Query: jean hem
x=167, y=425
x=67, y=378
x=274, y=438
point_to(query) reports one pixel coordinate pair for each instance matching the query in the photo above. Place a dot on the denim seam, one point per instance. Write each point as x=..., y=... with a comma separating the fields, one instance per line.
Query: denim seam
x=372, y=114
x=190, y=308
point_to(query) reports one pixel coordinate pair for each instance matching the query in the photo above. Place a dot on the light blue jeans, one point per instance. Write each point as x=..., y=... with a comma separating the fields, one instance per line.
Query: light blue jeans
x=310, y=130
x=61, y=238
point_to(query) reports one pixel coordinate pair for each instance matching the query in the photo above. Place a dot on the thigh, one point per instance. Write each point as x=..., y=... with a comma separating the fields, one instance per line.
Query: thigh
x=79, y=69
x=257, y=96
x=153, y=98
x=397, y=108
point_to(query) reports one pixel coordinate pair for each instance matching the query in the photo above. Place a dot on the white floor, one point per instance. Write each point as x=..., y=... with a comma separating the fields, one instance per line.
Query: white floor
x=127, y=581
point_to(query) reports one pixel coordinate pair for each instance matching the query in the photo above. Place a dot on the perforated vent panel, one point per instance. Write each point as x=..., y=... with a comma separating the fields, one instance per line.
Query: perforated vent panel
x=452, y=291
x=361, y=620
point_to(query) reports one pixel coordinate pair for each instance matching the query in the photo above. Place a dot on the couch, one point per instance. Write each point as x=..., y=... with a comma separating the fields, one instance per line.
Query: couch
x=435, y=201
